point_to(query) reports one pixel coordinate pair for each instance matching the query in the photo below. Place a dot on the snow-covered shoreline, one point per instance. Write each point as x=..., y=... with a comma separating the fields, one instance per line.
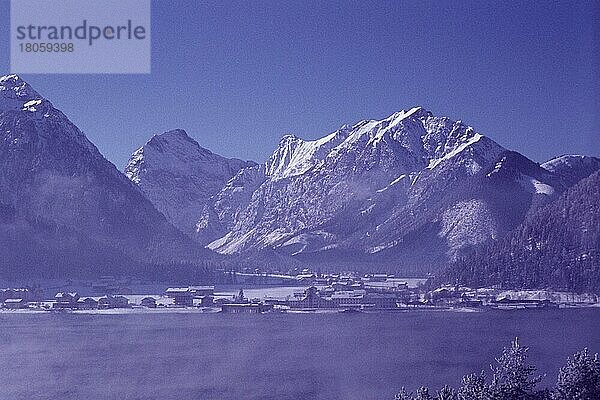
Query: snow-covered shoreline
x=137, y=310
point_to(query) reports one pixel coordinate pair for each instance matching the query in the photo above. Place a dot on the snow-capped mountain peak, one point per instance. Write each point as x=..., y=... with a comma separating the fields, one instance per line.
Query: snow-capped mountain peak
x=412, y=188
x=16, y=94
x=409, y=139
x=295, y=156
x=572, y=167
x=175, y=137
x=557, y=163
x=12, y=86
x=179, y=176
x=175, y=150
x=24, y=108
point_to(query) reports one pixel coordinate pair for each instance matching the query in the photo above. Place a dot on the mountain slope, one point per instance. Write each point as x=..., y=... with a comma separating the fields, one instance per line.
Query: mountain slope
x=52, y=176
x=572, y=168
x=179, y=177
x=557, y=246
x=406, y=193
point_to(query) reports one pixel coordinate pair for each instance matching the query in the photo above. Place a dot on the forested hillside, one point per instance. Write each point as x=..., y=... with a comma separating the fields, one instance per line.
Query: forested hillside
x=558, y=246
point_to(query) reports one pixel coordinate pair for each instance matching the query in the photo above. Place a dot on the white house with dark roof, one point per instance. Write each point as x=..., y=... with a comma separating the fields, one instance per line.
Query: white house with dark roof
x=65, y=300
x=14, y=304
x=183, y=297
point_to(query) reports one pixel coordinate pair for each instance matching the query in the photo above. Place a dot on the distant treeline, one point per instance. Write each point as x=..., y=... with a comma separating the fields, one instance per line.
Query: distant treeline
x=513, y=379
x=557, y=247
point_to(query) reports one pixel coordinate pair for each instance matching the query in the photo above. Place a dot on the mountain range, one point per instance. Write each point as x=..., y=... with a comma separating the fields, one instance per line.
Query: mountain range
x=410, y=194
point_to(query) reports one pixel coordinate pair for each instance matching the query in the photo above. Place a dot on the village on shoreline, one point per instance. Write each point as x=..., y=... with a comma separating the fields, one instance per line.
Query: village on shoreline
x=302, y=293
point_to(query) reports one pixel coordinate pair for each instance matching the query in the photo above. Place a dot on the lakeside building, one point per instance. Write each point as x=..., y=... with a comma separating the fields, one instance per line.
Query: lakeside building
x=382, y=301
x=148, y=302
x=241, y=304
x=347, y=298
x=15, y=304
x=87, y=304
x=65, y=300
x=198, y=291
x=311, y=299
x=28, y=294
x=507, y=304
x=469, y=303
x=206, y=301
x=395, y=285
x=109, y=302
x=314, y=298
x=184, y=296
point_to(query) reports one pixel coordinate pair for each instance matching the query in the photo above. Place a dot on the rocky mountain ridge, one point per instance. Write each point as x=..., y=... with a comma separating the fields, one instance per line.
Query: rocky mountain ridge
x=409, y=192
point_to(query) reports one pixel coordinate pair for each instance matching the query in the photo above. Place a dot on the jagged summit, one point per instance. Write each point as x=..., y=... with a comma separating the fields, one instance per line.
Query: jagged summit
x=405, y=137
x=289, y=137
x=173, y=149
x=175, y=141
x=416, y=112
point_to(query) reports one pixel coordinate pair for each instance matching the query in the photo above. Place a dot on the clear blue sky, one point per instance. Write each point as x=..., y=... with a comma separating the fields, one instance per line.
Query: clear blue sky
x=237, y=75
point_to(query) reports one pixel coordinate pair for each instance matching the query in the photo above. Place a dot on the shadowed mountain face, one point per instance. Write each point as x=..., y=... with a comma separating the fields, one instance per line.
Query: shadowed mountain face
x=406, y=193
x=66, y=209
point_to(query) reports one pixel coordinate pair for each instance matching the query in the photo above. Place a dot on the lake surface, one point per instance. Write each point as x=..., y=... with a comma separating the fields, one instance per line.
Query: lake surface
x=271, y=356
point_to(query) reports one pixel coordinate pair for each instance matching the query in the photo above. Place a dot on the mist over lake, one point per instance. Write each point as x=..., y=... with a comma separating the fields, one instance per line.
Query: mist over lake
x=272, y=356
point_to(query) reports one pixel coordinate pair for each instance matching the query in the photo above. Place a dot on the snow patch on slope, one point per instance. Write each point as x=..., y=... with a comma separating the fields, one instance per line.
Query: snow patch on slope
x=533, y=185
x=542, y=188
x=295, y=156
x=437, y=161
x=15, y=93
x=567, y=160
x=392, y=183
